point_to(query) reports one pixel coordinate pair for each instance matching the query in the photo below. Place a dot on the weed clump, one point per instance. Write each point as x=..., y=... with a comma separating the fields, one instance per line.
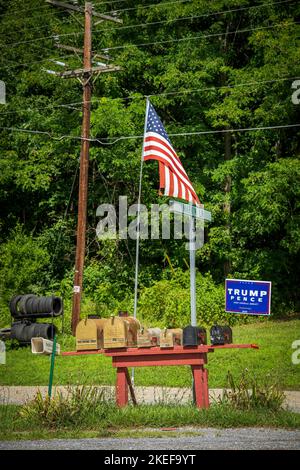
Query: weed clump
x=78, y=406
x=247, y=393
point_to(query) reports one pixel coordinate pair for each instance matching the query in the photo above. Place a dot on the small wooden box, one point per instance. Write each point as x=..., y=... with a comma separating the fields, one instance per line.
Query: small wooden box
x=120, y=332
x=148, y=338
x=171, y=337
x=89, y=334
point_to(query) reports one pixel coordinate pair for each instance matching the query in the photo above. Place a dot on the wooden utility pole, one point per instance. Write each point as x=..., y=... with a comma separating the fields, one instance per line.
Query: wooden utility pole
x=84, y=167
x=86, y=76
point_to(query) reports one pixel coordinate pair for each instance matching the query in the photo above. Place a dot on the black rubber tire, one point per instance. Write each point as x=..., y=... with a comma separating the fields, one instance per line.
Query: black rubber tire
x=23, y=332
x=13, y=304
x=29, y=305
x=23, y=301
x=44, y=305
x=35, y=308
x=57, y=306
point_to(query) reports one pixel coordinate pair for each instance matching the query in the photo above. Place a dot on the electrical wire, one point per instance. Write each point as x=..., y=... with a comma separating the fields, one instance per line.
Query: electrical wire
x=222, y=131
x=42, y=7
x=149, y=24
x=139, y=7
x=13, y=12
x=142, y=6
x=193, y=38
x=204, y=15
x=164, y=21
x=173, y=93
x=116, y=27
x=50, y=59
x=129, y=137
x=154, y=23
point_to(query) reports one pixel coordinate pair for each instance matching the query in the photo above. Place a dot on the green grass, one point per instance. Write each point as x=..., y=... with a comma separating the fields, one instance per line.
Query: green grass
x=132, y=421
x=274, y=358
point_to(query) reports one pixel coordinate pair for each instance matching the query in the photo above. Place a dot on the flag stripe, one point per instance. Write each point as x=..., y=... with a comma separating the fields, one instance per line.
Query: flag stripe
x=161, y=175
x=154, y=155
x=159, y=155
x=151, y=136
x=160, y=144
x=167, y=177
x=173, y=182
x=183, y=193
x=160, y=148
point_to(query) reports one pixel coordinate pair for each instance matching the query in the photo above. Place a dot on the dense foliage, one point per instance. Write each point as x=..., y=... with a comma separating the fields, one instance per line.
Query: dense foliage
x=210, y=66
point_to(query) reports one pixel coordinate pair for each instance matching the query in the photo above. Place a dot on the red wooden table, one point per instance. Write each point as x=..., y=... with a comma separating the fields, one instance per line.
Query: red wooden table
x=194, y=356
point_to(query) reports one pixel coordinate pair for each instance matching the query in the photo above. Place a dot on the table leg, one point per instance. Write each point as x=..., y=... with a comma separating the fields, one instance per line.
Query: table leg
x=122, y=387
x=198, y=384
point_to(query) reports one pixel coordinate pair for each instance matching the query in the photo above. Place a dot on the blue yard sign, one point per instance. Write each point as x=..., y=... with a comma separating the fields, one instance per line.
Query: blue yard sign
x=248, y=297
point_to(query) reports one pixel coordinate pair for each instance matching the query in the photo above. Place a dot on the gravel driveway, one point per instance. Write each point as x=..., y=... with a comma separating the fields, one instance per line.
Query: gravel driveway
x=205, y=438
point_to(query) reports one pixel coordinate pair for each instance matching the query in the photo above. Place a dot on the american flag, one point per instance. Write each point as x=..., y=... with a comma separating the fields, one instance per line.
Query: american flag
x=172, y=176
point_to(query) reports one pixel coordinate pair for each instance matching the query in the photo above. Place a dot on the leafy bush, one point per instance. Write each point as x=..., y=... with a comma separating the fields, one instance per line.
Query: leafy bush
x=22, y=264
x=167, y=302
x=107, y=288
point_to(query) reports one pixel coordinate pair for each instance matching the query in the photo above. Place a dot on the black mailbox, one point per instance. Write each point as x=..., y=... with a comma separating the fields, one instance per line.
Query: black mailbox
x=220, y=335
x=193, y=336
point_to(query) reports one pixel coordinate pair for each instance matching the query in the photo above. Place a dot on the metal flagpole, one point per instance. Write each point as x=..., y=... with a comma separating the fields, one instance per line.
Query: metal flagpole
x=193, y=285
x=138, y=219
x=193, y=272
x=137, y=251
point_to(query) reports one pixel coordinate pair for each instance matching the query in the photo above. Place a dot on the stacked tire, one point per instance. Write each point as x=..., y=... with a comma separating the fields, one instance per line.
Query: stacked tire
x=30, y=305
x=25, y=309
x=24, y=331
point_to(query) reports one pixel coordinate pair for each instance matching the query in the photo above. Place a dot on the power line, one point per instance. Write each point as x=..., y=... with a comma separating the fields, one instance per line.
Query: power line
x=42, y=7
x=53, y=13
x=122, y=1
x=204, y=14
x=27, y=27
x=193, y=38
x=129, y=137
x=41, y=38
x=173, y=93
x=192, y=17
x=168, y=20
x=189, y=38
x=35, y=62
x=222, y=131
x=13, y=12
x=158, y=22
x=196, y=90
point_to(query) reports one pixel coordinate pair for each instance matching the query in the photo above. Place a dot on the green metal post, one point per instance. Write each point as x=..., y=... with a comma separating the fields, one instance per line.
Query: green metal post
x=52, y=367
